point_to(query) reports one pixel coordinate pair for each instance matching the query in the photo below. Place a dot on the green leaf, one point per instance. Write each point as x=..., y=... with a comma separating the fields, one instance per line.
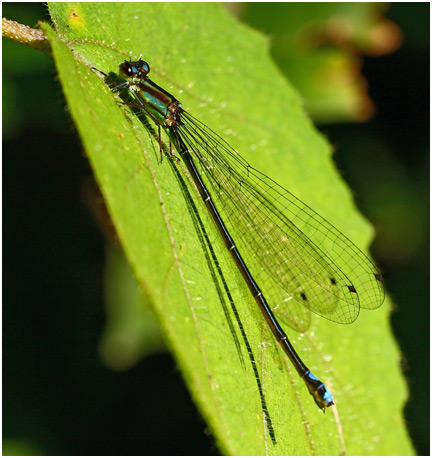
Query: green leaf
x=222, y=73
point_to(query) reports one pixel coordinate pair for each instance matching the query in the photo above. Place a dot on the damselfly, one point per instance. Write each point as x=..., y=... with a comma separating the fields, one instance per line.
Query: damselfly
x=295, y=257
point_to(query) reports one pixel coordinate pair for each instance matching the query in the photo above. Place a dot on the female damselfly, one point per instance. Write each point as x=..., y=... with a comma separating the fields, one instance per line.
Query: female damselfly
x=295, y=257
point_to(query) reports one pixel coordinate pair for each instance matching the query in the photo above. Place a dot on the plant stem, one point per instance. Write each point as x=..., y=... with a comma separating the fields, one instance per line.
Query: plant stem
x=25, y=35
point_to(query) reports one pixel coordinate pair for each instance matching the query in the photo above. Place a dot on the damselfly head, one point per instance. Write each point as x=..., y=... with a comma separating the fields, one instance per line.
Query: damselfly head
x=137, y=69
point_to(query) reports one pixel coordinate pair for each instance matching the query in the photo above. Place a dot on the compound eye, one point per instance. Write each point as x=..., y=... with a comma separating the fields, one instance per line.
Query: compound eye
x=145, y=67
x=127, y=69
x=138, y=69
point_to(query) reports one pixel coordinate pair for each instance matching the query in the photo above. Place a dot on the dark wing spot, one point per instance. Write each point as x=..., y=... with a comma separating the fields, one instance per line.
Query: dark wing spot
x=303, y=296
x=351, y=288
x=332, y=281
x=379, y=277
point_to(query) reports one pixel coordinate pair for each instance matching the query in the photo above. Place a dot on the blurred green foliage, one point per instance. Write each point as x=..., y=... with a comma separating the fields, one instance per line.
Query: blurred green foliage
x=12, y=447
x=318, y=46
x=131, y=332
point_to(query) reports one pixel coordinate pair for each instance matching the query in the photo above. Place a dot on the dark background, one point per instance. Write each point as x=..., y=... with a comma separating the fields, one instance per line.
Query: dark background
x=58, y=398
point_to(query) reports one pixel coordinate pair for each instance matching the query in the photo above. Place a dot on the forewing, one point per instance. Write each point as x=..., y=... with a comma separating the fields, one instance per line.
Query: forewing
x=297, y=257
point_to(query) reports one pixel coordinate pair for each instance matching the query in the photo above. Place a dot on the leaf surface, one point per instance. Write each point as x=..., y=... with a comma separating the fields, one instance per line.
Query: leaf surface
x=253, y=401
